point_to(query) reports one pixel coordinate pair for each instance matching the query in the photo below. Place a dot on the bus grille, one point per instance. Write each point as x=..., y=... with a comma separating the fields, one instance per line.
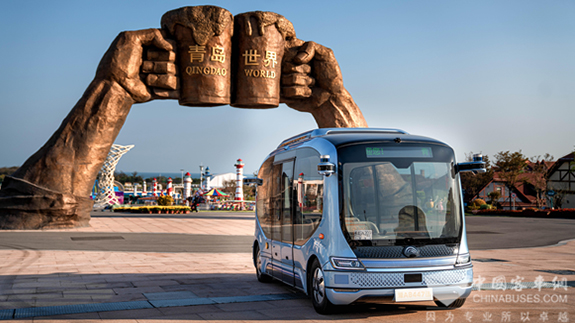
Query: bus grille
x=377, y=280
x=388, y=252
x=387, y=280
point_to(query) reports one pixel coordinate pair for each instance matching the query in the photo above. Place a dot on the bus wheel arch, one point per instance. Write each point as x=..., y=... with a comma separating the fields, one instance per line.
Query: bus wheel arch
x=316, y=288
x=308, y=273
x=262, y=277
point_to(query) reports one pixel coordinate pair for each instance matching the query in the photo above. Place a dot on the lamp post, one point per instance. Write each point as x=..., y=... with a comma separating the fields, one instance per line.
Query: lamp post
x=201, y=175
x=182, y=194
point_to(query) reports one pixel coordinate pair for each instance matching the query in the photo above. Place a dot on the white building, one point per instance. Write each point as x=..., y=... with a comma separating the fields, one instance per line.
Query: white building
x=218, y=180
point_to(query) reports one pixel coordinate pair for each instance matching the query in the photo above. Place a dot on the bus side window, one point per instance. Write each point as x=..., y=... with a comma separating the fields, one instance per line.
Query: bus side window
x=308, y=189
x=264, y=207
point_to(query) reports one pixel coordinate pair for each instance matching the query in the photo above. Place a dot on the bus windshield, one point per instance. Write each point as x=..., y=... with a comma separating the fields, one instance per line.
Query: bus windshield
x=399, y=195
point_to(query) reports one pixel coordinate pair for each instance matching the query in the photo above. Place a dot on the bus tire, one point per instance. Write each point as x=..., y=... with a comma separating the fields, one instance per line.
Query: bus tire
x=316, y=289
x=262, y=278
x=456, y=304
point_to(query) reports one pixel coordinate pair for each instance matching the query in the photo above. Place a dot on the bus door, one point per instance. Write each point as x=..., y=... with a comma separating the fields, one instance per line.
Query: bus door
x=287, y=222
x=282, y=244
x=276, y=211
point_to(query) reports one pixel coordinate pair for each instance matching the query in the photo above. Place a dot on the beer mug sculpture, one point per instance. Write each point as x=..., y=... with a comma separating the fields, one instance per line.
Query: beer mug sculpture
x=259, y=44
x=204, y=48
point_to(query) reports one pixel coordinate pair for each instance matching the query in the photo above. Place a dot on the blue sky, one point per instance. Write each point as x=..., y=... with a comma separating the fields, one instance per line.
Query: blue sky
x=483, y=76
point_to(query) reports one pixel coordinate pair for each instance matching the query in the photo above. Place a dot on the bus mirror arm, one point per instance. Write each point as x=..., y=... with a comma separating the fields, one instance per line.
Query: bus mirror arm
x=475, y=166
x=325, y=167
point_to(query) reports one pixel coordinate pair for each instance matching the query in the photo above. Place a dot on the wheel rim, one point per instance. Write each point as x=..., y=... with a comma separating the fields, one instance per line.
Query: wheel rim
x=318, y=286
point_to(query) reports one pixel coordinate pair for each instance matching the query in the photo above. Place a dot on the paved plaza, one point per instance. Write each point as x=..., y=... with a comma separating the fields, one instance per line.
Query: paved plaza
x=102, y=275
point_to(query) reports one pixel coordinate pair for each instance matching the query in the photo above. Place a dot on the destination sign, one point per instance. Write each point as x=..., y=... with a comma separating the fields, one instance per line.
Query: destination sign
x=403, y=152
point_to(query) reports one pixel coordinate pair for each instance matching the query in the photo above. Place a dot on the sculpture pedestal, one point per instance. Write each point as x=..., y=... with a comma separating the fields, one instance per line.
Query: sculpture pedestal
x=29, y=206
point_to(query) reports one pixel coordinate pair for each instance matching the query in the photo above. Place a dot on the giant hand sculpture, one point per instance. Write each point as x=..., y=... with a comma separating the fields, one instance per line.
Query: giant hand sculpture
x=53, y=186
x=312, y=82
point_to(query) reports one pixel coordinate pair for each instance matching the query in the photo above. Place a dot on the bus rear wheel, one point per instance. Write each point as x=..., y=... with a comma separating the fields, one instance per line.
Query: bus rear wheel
x=316, y=289
x=262, y=278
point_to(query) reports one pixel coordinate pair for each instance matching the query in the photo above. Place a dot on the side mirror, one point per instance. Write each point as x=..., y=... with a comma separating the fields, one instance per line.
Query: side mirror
x=476, y=166
x=325, y=167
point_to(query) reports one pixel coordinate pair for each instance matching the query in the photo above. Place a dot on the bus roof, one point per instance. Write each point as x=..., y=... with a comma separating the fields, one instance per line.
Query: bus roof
x=341, y=136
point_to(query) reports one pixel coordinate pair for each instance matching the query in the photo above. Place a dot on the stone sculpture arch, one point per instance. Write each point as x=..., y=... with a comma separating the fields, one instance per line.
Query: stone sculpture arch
x=52, y=188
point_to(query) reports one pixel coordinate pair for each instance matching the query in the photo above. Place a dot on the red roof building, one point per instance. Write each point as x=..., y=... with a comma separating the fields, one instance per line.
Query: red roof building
x=561, y=181
x=524, y=193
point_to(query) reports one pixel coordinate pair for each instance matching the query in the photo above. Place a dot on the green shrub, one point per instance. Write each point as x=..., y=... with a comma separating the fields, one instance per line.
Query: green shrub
x=165, y=200
x=154, y=209
x=478, y=202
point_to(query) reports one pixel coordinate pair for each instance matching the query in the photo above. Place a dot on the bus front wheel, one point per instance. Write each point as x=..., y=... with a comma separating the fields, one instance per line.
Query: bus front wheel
x=316, y=289
x=263, y=278
x=456, y=304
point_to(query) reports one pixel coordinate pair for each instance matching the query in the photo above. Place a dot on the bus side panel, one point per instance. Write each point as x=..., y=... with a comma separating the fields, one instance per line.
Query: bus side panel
x=265, y=253
x=300, y=261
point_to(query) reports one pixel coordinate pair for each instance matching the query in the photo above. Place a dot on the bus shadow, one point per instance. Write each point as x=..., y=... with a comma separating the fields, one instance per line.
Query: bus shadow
x=205, y=296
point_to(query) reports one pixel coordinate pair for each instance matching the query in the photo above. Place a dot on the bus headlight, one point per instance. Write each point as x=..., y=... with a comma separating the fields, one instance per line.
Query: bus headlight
x=463, y=259
x=346, y=263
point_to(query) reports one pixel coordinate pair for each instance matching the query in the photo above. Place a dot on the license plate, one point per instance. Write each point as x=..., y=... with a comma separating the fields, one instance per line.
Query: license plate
x=413, y=294
x=362, y=235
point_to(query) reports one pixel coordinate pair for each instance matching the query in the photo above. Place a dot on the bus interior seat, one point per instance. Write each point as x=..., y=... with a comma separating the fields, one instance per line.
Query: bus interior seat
x=406, y=219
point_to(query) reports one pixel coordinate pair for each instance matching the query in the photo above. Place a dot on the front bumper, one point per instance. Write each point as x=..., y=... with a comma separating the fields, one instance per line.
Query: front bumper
x=347, y=287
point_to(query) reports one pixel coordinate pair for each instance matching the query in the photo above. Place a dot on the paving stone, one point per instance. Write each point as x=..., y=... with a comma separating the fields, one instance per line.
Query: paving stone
x=131, y=314
x=235, y=316
x=18, y=291
x=180, y=310
x=172, y=318
x=155, y=283
x=251, y=306
x=136, y=290
x=170, y=295
x=80, y=316
x=34, y=296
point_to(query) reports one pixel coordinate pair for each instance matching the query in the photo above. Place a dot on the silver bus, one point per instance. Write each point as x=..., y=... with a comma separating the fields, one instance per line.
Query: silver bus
x=345, y=214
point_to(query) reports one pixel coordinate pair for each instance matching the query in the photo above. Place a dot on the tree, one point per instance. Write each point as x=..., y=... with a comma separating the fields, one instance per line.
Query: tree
x=473, y=183
x=538, y=170
x=249, y=192
x=509, y=166
x=494, y=196
x=230, y=187
x=124, y=178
